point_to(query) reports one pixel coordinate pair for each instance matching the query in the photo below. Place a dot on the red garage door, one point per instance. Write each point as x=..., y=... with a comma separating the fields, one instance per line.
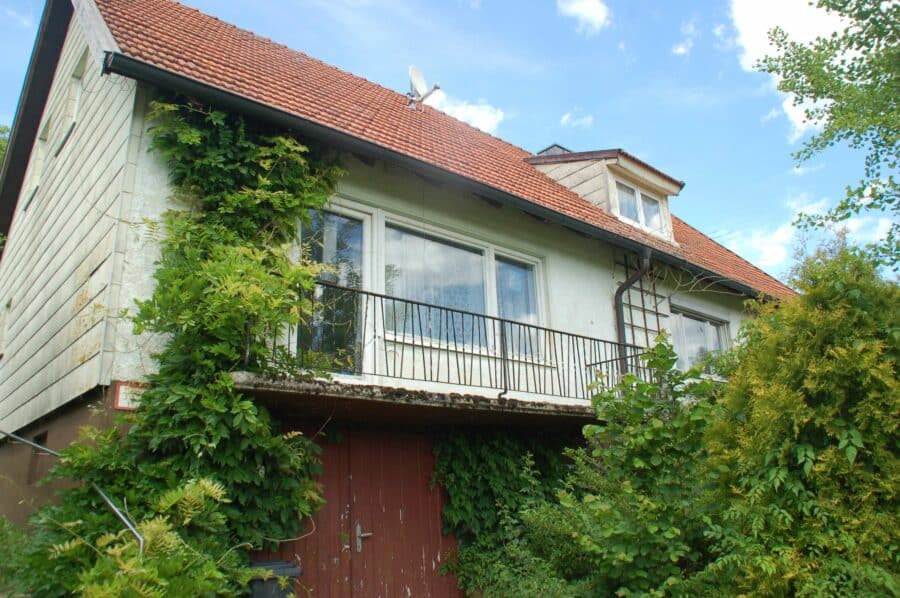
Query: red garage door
x=379, y=533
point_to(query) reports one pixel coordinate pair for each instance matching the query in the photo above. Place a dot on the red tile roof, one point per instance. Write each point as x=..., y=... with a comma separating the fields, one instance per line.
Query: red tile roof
x=180, y=39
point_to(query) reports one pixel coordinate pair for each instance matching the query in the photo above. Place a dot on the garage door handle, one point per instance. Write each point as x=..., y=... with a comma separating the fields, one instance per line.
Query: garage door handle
x=360, y=535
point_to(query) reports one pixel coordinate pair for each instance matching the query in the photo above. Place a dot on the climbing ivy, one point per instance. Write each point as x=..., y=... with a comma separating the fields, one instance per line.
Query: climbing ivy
x=226, y=281
x=484, y=473
x=489, y=476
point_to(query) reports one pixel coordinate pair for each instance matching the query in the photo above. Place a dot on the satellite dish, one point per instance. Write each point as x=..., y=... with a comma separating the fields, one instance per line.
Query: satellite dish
x=418, y=88
x=417, y=85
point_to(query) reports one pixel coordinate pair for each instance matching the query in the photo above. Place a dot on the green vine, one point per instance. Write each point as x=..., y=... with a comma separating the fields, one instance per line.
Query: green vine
x=489, y=477
x=485, y=473
x=225, y=276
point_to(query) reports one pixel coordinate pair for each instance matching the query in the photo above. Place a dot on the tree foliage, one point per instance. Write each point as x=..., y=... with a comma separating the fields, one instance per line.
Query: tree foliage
x=225, y=283
x=850, y=82
x=806, y=440
x=780, y=480
x=180, y=552
x=4, y=142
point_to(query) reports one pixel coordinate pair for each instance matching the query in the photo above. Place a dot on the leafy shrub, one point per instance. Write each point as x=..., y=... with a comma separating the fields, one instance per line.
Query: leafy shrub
x=629, y=519
x=180, y=555
x=226, y=281
x=12, y=541
x=806, y=446
x=781, y=481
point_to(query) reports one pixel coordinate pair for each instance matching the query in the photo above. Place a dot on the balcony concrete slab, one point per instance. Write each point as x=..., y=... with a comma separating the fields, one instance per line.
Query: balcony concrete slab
x=370, y=402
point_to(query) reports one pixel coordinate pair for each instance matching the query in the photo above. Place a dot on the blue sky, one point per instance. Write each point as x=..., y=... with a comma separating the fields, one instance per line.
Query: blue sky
x=671, y=82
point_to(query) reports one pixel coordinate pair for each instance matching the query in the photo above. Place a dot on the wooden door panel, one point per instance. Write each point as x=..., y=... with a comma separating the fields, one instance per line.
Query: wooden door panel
x=379, y=479
x=391, y=498
x=324, y=552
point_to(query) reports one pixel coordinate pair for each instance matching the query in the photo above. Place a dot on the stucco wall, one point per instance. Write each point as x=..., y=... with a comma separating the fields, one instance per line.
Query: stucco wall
x=58, y=266
x=577, y=276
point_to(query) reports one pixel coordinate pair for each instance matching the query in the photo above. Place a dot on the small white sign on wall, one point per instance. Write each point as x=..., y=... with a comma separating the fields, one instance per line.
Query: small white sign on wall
x=127, y=395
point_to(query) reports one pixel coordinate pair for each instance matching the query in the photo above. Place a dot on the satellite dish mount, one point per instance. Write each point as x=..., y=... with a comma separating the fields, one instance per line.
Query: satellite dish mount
x=418, y=89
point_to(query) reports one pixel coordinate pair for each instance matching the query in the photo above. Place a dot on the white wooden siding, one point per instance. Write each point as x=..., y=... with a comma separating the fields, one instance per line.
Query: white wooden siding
x=58, y=264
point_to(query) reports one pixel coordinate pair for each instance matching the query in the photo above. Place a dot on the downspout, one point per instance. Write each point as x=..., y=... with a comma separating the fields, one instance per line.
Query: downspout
x=620, y=306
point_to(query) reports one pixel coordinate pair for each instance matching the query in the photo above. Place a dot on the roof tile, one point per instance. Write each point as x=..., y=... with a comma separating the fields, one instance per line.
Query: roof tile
x=180, y=39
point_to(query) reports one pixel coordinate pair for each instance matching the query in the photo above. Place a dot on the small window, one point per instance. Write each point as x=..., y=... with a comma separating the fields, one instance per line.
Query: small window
x=38, y=162
x=647, y=212
x=628, y=206
x=516, y=291
x=40, y=461
x=73, y=101
x=695, y=336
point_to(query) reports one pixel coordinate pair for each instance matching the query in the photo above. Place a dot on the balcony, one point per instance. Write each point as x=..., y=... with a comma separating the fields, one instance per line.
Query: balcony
x=378, y=340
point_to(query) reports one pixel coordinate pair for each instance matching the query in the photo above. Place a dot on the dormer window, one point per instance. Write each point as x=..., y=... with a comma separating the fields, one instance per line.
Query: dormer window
x=616, y=182
x=639, y=207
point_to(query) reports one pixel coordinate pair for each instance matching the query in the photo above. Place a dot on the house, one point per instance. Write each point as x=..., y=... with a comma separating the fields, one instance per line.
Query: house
x=476, y=283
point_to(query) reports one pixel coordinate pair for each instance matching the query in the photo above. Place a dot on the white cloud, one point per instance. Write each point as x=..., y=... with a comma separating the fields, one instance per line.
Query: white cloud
x=480, y=114
x=771, y=247
x=570, y=119
x=752, y=20
x=20, y=19
x=724, y=40
x=683, y=48
x=689, y=31
x=770, y=115
x=802, y=170
x=592, y=15
x=867, y=229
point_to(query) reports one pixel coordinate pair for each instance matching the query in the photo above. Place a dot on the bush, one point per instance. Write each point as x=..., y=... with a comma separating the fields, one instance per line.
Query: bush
x=781, y=481
x=12, y=541
x=805, y=444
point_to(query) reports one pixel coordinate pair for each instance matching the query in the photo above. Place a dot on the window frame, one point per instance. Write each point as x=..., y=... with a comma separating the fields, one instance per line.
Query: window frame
x=722, y=327
x=375, y=220
x=639, y=196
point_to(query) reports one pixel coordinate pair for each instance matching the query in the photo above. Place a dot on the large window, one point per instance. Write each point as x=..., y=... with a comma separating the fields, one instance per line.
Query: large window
x=436, y=289
x=695, y=336
x=639, y=207
x=433, y=271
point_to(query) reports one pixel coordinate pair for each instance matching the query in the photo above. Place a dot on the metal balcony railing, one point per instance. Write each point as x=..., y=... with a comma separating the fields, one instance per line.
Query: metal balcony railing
x=370, y=334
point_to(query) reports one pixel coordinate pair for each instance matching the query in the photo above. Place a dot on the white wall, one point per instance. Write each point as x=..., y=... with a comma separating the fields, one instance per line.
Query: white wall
x=58, y=264
x=577, y=276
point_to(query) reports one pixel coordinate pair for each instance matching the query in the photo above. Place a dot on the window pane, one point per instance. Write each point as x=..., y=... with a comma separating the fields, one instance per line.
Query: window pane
x=652, y=217
x=715, y=336
x=627, y=202
x=695, y=337
x=332, y=331
x=695, y=340
x=516, y=296
x=336, y=240
x=440, y=273
x=432, y=271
